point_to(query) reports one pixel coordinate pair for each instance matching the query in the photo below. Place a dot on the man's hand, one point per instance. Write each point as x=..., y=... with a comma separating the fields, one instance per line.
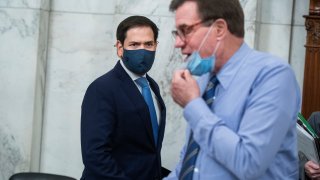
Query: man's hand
x=312, y=169
x=184, y=87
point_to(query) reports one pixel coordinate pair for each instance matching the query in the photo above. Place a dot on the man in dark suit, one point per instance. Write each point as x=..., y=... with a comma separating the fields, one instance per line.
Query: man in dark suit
x=309, y=169
x=121, y=134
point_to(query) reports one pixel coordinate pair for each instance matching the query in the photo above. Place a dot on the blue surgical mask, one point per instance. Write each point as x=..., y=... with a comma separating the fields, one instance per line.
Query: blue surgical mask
x=138, y=61
x=199, y=66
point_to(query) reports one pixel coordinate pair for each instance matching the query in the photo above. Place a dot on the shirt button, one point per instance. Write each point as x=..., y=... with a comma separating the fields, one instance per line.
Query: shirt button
x=196, y=170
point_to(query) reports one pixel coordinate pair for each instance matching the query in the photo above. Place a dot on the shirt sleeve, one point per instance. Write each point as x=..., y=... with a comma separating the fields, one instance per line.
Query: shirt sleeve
x=270, y=110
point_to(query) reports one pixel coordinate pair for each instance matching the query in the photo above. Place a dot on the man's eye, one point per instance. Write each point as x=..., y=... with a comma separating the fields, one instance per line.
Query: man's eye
x=186, y=31
x=134, y=44
x=149, y=44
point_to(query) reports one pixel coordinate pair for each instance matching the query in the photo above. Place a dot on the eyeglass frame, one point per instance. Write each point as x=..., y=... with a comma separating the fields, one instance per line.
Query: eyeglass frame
x=186, y=30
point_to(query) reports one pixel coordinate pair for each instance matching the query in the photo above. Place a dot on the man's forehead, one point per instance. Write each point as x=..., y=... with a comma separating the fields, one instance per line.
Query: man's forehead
x=139, y=35
x=139, y=32
x=187, y=14
x=140, y=38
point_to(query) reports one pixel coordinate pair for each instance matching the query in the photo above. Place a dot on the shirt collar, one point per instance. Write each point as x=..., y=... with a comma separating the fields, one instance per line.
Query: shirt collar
x=132, y=75
x=230, y=69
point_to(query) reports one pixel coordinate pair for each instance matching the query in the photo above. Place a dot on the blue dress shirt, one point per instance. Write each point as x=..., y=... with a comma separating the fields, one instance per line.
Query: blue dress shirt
x=249, y=132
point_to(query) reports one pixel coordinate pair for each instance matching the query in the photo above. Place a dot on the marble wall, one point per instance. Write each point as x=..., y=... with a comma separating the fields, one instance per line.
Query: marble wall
x=50, y=51
x=23, y=47
x=281, y=31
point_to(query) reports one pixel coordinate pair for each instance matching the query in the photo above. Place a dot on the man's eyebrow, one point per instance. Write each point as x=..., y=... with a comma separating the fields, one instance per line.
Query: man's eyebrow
x=134, y=42
x=181, y=26
x=149, y=42
x=139, y=42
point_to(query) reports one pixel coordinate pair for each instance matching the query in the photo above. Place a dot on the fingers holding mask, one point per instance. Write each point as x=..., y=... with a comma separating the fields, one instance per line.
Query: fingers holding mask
x=184, y=87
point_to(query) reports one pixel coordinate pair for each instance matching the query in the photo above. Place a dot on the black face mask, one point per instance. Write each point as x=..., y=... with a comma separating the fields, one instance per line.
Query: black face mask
x=138, y=61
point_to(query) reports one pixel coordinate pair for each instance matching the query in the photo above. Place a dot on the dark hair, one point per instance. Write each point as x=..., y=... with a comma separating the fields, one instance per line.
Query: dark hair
x=132, y=22
x=229, y=10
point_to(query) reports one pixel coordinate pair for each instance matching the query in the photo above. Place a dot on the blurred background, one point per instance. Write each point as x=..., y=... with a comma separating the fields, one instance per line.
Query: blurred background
x=51, y=50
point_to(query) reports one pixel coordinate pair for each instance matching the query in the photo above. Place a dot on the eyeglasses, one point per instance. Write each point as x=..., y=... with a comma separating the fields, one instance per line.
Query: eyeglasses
x=186, y=30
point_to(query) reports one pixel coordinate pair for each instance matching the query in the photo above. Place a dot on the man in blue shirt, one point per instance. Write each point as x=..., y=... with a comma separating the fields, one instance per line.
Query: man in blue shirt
x=247, y=130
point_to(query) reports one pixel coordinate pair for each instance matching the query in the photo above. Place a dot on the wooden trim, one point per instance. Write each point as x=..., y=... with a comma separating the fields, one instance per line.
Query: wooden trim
x=311, y=84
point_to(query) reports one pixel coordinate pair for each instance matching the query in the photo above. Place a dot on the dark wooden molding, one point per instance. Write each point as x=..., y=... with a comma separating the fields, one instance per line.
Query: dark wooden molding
x=311, y=83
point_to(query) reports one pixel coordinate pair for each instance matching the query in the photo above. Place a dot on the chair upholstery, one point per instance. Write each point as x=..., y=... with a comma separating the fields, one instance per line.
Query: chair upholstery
x=38, y=176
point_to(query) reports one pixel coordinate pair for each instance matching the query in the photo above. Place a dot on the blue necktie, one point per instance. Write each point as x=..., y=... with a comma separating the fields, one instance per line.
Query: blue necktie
x=193, y=148
x=146, y=93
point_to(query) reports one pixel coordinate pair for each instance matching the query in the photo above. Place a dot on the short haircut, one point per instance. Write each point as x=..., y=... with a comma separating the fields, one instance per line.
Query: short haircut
x=229, y=10
x=132, y=22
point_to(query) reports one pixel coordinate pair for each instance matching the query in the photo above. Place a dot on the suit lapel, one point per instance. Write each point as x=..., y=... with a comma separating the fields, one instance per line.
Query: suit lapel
x=135, y=97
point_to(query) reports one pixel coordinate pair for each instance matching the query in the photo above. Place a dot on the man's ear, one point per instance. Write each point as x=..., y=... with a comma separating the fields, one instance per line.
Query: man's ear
x=222, y=28
x=156, y=45
x=119, y=47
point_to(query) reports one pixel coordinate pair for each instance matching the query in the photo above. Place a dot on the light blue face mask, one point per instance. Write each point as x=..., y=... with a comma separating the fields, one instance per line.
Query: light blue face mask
x=199, y=66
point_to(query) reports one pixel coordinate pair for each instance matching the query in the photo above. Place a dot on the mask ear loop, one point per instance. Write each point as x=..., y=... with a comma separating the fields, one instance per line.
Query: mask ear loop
x=203, y=41
x=216, y=48
x=205, y=38
x=214, y=55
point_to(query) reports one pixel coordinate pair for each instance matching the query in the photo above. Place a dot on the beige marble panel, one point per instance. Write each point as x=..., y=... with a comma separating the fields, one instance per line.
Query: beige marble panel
x=85, y=6
x=32, y=4
x=22, y=53
x=79, y=51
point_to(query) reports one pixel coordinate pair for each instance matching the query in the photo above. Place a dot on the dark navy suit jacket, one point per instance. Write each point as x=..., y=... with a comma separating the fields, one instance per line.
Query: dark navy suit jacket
x=116, y=134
